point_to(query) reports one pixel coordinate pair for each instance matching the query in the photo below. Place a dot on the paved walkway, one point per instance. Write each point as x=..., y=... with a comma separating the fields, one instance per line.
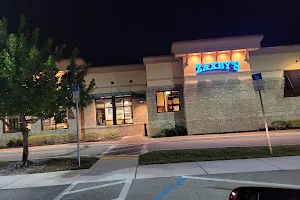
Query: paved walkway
x=128, y=169
x=140, y=144
x=144, y=140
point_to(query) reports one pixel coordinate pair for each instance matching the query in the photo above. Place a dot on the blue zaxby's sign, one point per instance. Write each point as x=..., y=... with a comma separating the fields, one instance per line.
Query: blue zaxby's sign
x=218, y=66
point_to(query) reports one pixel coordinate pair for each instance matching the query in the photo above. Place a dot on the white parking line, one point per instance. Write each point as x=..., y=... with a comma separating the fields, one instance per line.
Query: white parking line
x=125, y=190
x=65, y=191
x=252, y=183
x=95, y=187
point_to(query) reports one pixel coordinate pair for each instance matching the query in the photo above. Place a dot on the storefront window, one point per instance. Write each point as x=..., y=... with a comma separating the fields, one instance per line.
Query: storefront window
x=168, y=101
x=50, y=124
x=105, y=107
x=15, y=123
x=292, y=83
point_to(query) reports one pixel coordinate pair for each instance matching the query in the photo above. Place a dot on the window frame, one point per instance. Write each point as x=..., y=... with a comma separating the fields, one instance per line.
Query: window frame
x=179, y=96
x=114, y=107
x=288, y=90
x=7, y=118
x=55, y=124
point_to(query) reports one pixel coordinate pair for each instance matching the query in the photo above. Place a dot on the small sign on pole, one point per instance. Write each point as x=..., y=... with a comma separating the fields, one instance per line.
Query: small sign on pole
x=258, y=82
x=76, y=93
x=258, y=85
x=76, y=98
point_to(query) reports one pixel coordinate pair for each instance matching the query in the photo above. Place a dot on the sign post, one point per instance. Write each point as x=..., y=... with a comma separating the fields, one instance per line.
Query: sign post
x=76, y=98
x=258, y=84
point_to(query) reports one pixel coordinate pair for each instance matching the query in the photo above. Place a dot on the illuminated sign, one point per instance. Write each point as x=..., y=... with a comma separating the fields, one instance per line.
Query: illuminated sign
x=218, y=66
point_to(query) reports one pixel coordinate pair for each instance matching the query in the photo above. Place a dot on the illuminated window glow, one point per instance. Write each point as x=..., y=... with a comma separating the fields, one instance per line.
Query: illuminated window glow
x=218, y=66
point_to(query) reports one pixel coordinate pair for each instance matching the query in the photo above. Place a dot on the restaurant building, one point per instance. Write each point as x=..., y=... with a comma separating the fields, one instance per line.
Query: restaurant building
x=204, y=85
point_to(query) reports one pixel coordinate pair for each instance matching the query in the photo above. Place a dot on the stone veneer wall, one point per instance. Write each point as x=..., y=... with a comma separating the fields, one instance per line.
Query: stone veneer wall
x=140, y=117
x=36, y=129
x=159, y=121
x=233, y=105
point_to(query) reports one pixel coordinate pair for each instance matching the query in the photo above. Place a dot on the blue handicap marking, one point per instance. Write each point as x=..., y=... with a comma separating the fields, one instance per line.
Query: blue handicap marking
x=169, y=189
x=76, y=87
x=257, y=76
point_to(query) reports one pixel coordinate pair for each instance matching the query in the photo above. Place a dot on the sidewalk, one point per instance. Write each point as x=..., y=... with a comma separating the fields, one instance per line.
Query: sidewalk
x=127, y=169
x=145, y=140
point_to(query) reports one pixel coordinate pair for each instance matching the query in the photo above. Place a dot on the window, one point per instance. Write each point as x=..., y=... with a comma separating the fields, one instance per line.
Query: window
x=168, y=101
x=50, y=124
x=114, y=110
x=15, y=122
x=291, y=83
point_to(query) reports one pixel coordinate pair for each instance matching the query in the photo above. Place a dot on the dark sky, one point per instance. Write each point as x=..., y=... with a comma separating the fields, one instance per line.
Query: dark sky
x=110, y=32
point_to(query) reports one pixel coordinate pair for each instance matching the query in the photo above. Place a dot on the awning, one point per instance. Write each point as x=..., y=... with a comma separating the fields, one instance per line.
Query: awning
x=135, y=96
x=293, y=77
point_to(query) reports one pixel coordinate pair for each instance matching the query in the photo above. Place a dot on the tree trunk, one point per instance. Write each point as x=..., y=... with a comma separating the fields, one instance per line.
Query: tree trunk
x=24, y=130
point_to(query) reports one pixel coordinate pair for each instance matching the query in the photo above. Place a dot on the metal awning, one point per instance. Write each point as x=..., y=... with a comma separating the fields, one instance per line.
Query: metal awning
x=135, y=96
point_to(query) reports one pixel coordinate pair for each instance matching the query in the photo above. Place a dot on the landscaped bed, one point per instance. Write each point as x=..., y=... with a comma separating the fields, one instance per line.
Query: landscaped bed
x=229, y=153
x=46, y=165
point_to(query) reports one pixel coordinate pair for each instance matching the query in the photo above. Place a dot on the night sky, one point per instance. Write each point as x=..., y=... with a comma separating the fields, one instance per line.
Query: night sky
x=109, y=32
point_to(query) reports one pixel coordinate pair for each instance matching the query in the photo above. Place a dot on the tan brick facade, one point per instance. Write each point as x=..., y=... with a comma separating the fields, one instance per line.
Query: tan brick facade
x=160, y=121
x=233, y=105
x=140, y=117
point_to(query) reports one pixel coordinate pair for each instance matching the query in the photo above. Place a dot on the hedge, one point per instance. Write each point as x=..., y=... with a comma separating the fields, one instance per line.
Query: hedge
x=61, y=138
x=284, y=125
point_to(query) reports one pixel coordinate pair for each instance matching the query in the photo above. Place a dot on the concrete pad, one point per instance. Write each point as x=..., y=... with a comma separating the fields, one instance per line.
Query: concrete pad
x=113, y=169
x=236, y=166
x=46, y=179
x=169, y=170
x=6, y=180
x=285, y=163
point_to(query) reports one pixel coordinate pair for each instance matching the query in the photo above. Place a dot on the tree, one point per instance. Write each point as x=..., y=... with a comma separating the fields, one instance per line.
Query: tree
x=75, y=74
x=29, y=82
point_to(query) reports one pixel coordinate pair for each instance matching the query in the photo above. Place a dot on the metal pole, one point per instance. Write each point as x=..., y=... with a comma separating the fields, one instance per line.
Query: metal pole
x=78, y=138
x=266, y=124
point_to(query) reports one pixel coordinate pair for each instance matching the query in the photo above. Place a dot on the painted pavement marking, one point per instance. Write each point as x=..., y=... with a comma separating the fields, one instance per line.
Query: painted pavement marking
x=254, y=183
x=125, y=189
x=122, y=195
x=169, y=189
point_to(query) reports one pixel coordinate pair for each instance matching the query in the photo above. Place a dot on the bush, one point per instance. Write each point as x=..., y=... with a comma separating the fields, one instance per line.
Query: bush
x=15, y=142
x=283, y=125
x=48, y=139
x=280, y=125
x=96, y=136
x=177, y=131
x=295, y=124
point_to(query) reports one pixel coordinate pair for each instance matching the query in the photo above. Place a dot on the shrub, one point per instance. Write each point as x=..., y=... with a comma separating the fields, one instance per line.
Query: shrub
x=48, y=139
x=91, y=136
x=295, y=124
x=96, y=136
x=110, y=135
x=176, y=131
x=280, y=125
x=15, y=142
x=283, y=125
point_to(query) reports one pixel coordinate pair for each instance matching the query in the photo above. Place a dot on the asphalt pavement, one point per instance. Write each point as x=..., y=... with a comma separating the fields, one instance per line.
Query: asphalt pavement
x=208, y=187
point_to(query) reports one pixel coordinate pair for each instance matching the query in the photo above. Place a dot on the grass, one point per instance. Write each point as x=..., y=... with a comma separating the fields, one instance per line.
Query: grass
x=191, y=155
x=63, y=164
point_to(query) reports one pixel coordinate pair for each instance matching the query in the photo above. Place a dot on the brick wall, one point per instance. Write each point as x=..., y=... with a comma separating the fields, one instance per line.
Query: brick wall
x=159, y=121
x=233, y=105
